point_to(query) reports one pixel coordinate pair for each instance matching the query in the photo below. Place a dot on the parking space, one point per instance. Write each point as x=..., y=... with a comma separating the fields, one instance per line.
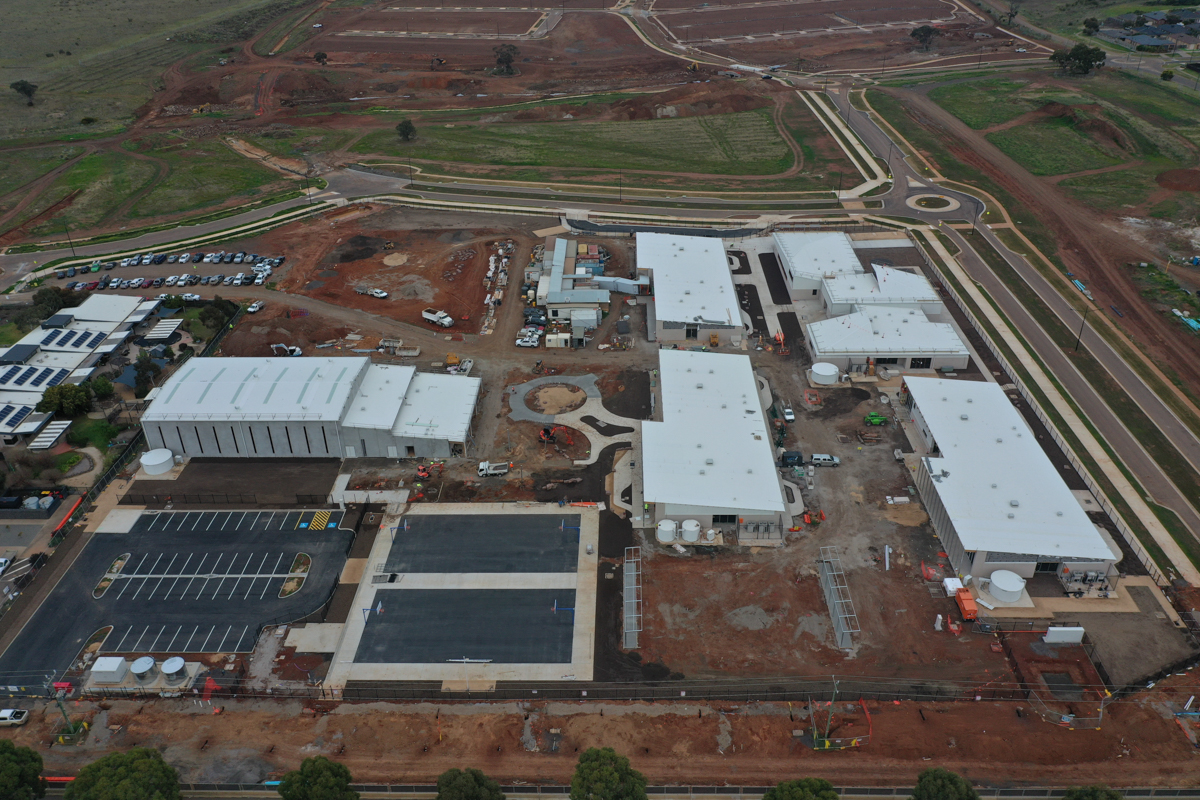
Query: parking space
x=184, y=582
x=452, y=543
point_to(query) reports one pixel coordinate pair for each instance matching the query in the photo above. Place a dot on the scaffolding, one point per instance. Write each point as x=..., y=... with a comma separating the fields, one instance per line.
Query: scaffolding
x=632, y=592
x=837, y=597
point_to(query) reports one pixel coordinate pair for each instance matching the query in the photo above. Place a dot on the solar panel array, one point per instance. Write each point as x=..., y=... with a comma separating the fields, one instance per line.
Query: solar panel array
x=59, y=378
x=97, y=339
x=51, y=337
x=19, y=416
x=66, y=339
x=25, y=376
x=9, y=374
x=4, y=412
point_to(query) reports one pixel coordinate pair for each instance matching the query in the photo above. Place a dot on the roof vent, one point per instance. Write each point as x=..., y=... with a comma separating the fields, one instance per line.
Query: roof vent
x=687, y=291
x=708, y=461
x=1058, y=513
x=999, y=440
x=969, y=400
x=749, y=472
x=1014, y=503
x=1012, y=516
x=699, y=385
x=962, y=416
x=993, y=486
x=701, y=472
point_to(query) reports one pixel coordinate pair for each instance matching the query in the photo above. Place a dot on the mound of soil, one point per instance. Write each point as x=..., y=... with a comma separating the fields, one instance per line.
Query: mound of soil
x=1180, y=180
x=1098, y=126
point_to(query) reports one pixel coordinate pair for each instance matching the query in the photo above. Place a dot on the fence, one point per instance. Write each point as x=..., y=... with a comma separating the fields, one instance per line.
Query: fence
x=187, y=499
x=1126, y=533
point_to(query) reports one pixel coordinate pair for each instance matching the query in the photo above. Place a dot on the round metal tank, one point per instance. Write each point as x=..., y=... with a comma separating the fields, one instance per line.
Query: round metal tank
x=1006, y=586
x=174, y=671
x=156, y=462
x=691, y=531
x=143, y=669
x=824, y=373
x=666, y=531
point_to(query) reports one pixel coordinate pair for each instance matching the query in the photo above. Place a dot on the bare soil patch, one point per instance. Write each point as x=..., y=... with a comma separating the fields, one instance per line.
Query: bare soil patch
x=1179, y=180
x=556, y=398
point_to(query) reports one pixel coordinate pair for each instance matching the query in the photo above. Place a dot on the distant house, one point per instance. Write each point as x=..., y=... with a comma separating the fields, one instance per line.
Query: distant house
x=1152, y=43
x=1156, y=16
x=1183, y=41
x=1120, y=21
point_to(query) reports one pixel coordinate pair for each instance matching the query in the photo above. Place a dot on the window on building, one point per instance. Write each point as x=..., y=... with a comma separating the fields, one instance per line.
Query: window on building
x=886, y=362
x=692, y=332
x=920, y=363
x=724, y=519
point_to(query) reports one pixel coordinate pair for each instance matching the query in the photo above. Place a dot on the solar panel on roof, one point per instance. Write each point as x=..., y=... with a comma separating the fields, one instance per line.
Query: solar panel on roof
x=25, y=376
x=51, y=337
x=4, y=412
x=66, y=339
x=9, y=374
x=97, y=339
x=20, y=415
x=57, y=379
x=42, y=376
x=81, y=341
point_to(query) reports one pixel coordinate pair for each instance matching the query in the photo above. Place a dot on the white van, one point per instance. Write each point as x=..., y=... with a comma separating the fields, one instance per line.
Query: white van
x=825, y=460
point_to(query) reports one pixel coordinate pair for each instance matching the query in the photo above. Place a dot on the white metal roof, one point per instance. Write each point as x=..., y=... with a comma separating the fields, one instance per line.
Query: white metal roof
x=882, y=329
x=711, y=413
x=887, y=285
x=313, y=388
x=106, y=307
x=997, y=485
x=692, y=280
x=379, y=397
x=49, y=435
x=814, y=254
x=438, y=406
x=163, y=329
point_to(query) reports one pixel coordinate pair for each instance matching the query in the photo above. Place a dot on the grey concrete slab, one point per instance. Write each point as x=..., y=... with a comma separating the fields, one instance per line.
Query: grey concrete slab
x=463, y=543
x=196, y=582
x=431, y=626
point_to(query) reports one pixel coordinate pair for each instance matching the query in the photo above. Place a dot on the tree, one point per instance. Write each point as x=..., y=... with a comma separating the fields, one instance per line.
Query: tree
x=317, y=779
x=1079, y=60
x=1091, y=25
x=505, y=55
x=25, y=89
x=406, y=130
x=604, y=775
x=803, y=789
x=925, y=35
x=169, y=354
x=1092, y=793
x=1167, y=75
x=467, y=784
x=20, y=772
x=102, y=387
x=1014, y=8
x=67, y=399
x=321, y=58
x=942, y=784
x=138, y=773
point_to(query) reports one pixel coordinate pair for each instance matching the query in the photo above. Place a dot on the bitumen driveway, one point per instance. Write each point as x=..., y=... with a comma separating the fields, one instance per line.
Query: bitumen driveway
x=468, y=543
x=193, y=582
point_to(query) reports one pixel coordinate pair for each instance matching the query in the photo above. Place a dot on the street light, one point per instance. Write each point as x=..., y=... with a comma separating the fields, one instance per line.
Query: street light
x=1079, y=335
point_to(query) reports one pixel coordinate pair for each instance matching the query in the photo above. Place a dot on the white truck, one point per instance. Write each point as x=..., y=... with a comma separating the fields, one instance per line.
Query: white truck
x=487, y=468
x=439, y=318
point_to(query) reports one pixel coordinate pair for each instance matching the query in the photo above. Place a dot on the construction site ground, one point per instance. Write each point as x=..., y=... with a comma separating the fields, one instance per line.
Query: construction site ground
x=746, y=743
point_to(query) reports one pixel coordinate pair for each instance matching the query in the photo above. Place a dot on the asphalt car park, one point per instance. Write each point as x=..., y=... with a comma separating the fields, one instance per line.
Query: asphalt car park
x=190, y=582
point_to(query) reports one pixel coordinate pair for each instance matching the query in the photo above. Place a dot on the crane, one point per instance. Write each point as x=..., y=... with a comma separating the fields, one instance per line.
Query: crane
x=550, y=435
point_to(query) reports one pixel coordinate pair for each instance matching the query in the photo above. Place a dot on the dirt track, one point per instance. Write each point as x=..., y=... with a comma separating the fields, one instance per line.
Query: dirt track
x=1089, y=246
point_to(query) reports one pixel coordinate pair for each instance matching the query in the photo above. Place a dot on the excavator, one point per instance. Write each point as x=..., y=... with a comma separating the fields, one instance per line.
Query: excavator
x=550, y=435
x=425, y=471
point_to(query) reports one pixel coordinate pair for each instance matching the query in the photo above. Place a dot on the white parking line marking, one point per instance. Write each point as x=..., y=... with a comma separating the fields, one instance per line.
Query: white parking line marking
x=249, y=558
x=138, y=644
x=223, y=577
x=250, y=588
x=256, y=516
x=197, y=522
x=171, y=643
x=152, y=647
x=191, y=636
x=135, y=569
x=276, y=570
x=240, y=521
x=181, y=570
x=204, y=648
x=160, y=580
x=118, y=647
x=221, y=646
x=144, y=582
x=188, y=588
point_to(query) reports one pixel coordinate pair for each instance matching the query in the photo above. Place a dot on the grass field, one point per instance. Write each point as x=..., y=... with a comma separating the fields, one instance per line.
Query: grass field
x=104, y=182
x=205, y=174
x=733, y=144
x=20, y=167
x=304, y=140
x=1051, y=147
x=984, y=103
x=1068, y=17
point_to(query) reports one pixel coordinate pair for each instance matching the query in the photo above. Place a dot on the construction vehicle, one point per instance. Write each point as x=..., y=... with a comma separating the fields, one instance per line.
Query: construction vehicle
x=487, y=469
x=875, y=418
x=452, y=360
x=693, y=67
x=422, y=472
x=287, y=350
x=550, y=435
x=389, y=245
x=966, y=604
x=425, y=471
x=435, y=317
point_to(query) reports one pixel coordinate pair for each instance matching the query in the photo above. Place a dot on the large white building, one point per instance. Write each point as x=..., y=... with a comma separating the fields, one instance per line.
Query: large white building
x=711, y=457
x=880, y=316
x=66, y=348
x=995, y=500
x=694, y=296
x=310, y=407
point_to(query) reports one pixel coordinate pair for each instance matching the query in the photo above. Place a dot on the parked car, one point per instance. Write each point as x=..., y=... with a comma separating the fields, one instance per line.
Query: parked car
x=528, y=342
x=261, y=279
x=171, y=259
x=12, y=717
x=197, y=258
x=255, y=307
x=825, y=460
x=191, y=298
x=378, y=293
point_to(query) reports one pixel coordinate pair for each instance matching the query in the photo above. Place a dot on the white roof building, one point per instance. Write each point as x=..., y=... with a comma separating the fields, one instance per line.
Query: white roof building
x=810, y=256
x=692, y=280
x=315, y=406
x=887, y=285
x=712, y=454
x=994, y=497
x=65, y=348
x=885, y=331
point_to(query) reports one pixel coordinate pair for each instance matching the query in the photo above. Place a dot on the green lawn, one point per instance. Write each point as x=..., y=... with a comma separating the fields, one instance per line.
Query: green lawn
x=1050, y=147
x=104, y=181
x=733, y=144
x=1120, y=189
x=983, y=103
x=10, y=334
x=204, y=174
x=96, y=432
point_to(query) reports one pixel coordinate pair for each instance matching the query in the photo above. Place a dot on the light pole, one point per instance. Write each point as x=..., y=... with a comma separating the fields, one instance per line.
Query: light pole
x=1079, y=335
x=67, y=230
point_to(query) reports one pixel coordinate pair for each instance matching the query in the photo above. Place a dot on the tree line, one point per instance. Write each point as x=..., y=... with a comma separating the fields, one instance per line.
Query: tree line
x=601, y=774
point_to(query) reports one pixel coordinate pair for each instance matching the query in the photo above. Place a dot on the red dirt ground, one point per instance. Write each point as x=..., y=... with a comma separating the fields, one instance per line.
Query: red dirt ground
x=1179, y=180
x=456, y=22
x=766, y=19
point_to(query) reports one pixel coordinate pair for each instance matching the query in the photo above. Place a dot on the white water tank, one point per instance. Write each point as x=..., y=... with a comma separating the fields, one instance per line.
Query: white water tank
x=156, y=462
x=666, y=531
x=1006, y=586
x=691, y=531
x=174, y=671
x=824, y=373
x=143, y=669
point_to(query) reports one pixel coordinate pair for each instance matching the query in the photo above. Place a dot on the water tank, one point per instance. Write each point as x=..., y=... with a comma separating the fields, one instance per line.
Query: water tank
x=824, y=373
x=691, y=531
x=1006, y=586
x=156, y=462
x=174, y=671
x=710, y=535
x=666, y=531
x=144, y=670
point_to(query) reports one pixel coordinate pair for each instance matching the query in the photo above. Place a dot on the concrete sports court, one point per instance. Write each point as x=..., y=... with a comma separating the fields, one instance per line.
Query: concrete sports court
x=191, y=582
x=474, y=595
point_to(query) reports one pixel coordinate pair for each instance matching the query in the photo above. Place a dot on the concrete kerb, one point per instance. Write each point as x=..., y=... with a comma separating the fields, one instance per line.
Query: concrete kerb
x=830, y=120
x=592, y=407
